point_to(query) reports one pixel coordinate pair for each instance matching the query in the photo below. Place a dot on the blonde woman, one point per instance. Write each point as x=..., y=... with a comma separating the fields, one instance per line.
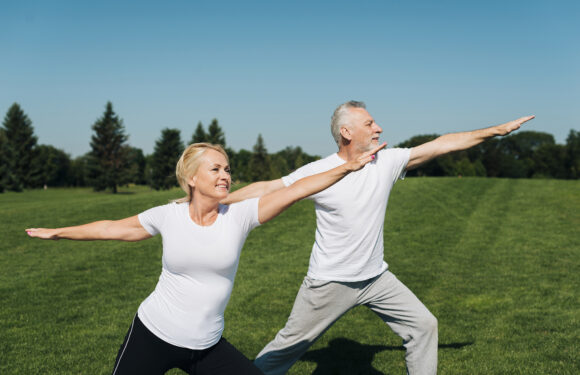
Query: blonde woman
x=180, y=324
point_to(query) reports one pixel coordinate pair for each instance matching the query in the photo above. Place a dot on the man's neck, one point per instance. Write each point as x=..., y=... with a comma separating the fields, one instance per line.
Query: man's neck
x=347, y=153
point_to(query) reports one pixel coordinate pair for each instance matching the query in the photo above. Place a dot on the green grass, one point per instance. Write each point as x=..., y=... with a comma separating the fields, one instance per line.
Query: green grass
x=496, y=260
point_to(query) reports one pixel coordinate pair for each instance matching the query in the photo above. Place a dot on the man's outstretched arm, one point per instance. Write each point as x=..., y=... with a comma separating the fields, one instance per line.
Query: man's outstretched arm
x=257, y=189
x=460, y=141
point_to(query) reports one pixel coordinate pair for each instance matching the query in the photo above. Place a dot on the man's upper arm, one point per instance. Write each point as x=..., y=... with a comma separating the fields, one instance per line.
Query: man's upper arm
x=422, y=154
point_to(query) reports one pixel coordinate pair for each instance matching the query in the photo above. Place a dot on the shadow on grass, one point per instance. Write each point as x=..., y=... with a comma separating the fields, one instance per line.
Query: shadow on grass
x=344, y=356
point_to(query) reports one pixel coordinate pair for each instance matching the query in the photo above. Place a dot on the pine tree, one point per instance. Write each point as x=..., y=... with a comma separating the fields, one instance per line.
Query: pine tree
x=108, y=157
x=3, y=162
x=259, y=168
x=215, y=134
x=200, y=135
x=19, y=151
x=167, y=151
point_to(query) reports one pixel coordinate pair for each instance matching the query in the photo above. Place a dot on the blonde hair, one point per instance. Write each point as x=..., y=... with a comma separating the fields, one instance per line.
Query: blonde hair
x=189, y=163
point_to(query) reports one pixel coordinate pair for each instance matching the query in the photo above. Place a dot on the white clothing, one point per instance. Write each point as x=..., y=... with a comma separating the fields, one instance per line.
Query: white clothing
x=186, y=308
x=350, y=216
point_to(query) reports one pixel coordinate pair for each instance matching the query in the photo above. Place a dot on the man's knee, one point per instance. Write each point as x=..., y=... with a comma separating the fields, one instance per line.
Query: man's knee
x=428, y=323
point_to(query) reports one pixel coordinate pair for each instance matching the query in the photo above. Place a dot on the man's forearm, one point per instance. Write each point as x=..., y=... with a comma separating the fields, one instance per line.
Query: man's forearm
x=464, y=140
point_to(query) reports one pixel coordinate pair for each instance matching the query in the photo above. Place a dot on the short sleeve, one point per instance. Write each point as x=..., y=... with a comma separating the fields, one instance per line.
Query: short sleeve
x=152, y=219
x=247, y=213
x=395, y=160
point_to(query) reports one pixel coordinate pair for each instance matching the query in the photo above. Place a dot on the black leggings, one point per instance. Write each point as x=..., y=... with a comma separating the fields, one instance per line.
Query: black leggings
x=144, y=353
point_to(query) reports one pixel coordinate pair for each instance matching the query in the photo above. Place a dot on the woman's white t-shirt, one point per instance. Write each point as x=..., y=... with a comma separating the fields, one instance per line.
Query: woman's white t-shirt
x=187, y=307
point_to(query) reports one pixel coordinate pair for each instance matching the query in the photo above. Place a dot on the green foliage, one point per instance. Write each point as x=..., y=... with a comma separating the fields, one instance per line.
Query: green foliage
x=495, y=260
x=200, y=135
x=108, y=161
x=3, y=162
x=54, y=166
x=523, y=154
x=259, y=168
x=167, y=151
x=573, y=154
x=215, y=134
x=137, y=164
x=19, y=151
x=294, y=158
x=239, y=164
x=79, y=171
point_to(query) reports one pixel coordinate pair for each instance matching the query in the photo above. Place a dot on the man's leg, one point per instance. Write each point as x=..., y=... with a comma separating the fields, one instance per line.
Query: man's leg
x=397, y=306
x=317, y=306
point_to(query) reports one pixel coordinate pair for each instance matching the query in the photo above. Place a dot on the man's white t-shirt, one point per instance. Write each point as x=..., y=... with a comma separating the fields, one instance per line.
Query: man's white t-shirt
x=350, y=216
x=186, y=308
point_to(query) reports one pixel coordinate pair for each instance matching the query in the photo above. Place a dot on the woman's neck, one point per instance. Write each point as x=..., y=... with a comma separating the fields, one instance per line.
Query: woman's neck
x=203, y=211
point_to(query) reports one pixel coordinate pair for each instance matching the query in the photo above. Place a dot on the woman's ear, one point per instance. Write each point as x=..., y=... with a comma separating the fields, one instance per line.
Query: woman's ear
x=191, y=181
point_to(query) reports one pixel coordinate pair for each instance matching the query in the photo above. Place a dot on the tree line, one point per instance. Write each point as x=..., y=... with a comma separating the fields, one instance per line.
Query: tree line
x=112, y=162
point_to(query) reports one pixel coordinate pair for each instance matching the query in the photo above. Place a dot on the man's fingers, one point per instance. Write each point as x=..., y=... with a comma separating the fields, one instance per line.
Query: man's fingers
x=525, y=119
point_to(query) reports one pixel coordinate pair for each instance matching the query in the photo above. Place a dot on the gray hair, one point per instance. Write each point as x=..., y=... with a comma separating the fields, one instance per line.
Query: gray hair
x=340, y=118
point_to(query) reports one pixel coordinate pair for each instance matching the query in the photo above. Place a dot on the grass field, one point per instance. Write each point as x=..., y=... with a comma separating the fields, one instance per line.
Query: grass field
x=496, y=260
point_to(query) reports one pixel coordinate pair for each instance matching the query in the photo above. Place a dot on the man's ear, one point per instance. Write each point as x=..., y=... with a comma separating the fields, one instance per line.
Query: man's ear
x=345, y=133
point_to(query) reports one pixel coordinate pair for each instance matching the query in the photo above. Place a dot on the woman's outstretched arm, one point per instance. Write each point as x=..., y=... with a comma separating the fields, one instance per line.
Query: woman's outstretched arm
x=272, y=204
x=129, y=229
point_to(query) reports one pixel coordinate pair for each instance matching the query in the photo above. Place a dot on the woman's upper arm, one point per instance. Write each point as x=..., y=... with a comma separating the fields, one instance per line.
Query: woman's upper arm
x=129, y=229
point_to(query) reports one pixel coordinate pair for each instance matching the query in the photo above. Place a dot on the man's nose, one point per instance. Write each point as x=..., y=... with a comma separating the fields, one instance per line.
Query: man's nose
x=378, y=129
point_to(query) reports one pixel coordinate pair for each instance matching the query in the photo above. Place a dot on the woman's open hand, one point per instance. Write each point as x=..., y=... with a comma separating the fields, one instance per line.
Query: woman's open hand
x=42, y=233
x=361, y=161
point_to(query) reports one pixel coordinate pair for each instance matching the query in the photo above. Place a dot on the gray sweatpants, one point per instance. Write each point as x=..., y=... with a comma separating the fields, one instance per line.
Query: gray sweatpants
x=321, y=303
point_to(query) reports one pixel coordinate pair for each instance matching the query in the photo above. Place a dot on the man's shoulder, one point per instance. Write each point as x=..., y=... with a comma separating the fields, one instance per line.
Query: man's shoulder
x=317, y=166
x=331, y=161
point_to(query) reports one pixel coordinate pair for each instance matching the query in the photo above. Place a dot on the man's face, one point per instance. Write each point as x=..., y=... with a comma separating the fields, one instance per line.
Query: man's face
x=364, y=131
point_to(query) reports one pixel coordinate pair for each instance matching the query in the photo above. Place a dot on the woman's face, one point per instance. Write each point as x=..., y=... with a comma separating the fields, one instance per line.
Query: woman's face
x=213, y=176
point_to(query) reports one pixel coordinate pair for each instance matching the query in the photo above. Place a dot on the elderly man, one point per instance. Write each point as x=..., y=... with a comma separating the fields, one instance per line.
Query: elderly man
x=346, y=264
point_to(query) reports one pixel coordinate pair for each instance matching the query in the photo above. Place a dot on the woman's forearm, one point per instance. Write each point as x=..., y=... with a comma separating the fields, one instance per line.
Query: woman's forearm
x=129, y=229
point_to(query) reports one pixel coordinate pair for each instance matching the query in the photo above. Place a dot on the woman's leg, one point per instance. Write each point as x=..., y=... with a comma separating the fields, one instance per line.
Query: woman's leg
x=144, y=353
x=224, y=359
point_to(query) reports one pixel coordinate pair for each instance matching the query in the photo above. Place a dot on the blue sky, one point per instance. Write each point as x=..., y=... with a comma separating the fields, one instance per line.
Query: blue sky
x=280, y=68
